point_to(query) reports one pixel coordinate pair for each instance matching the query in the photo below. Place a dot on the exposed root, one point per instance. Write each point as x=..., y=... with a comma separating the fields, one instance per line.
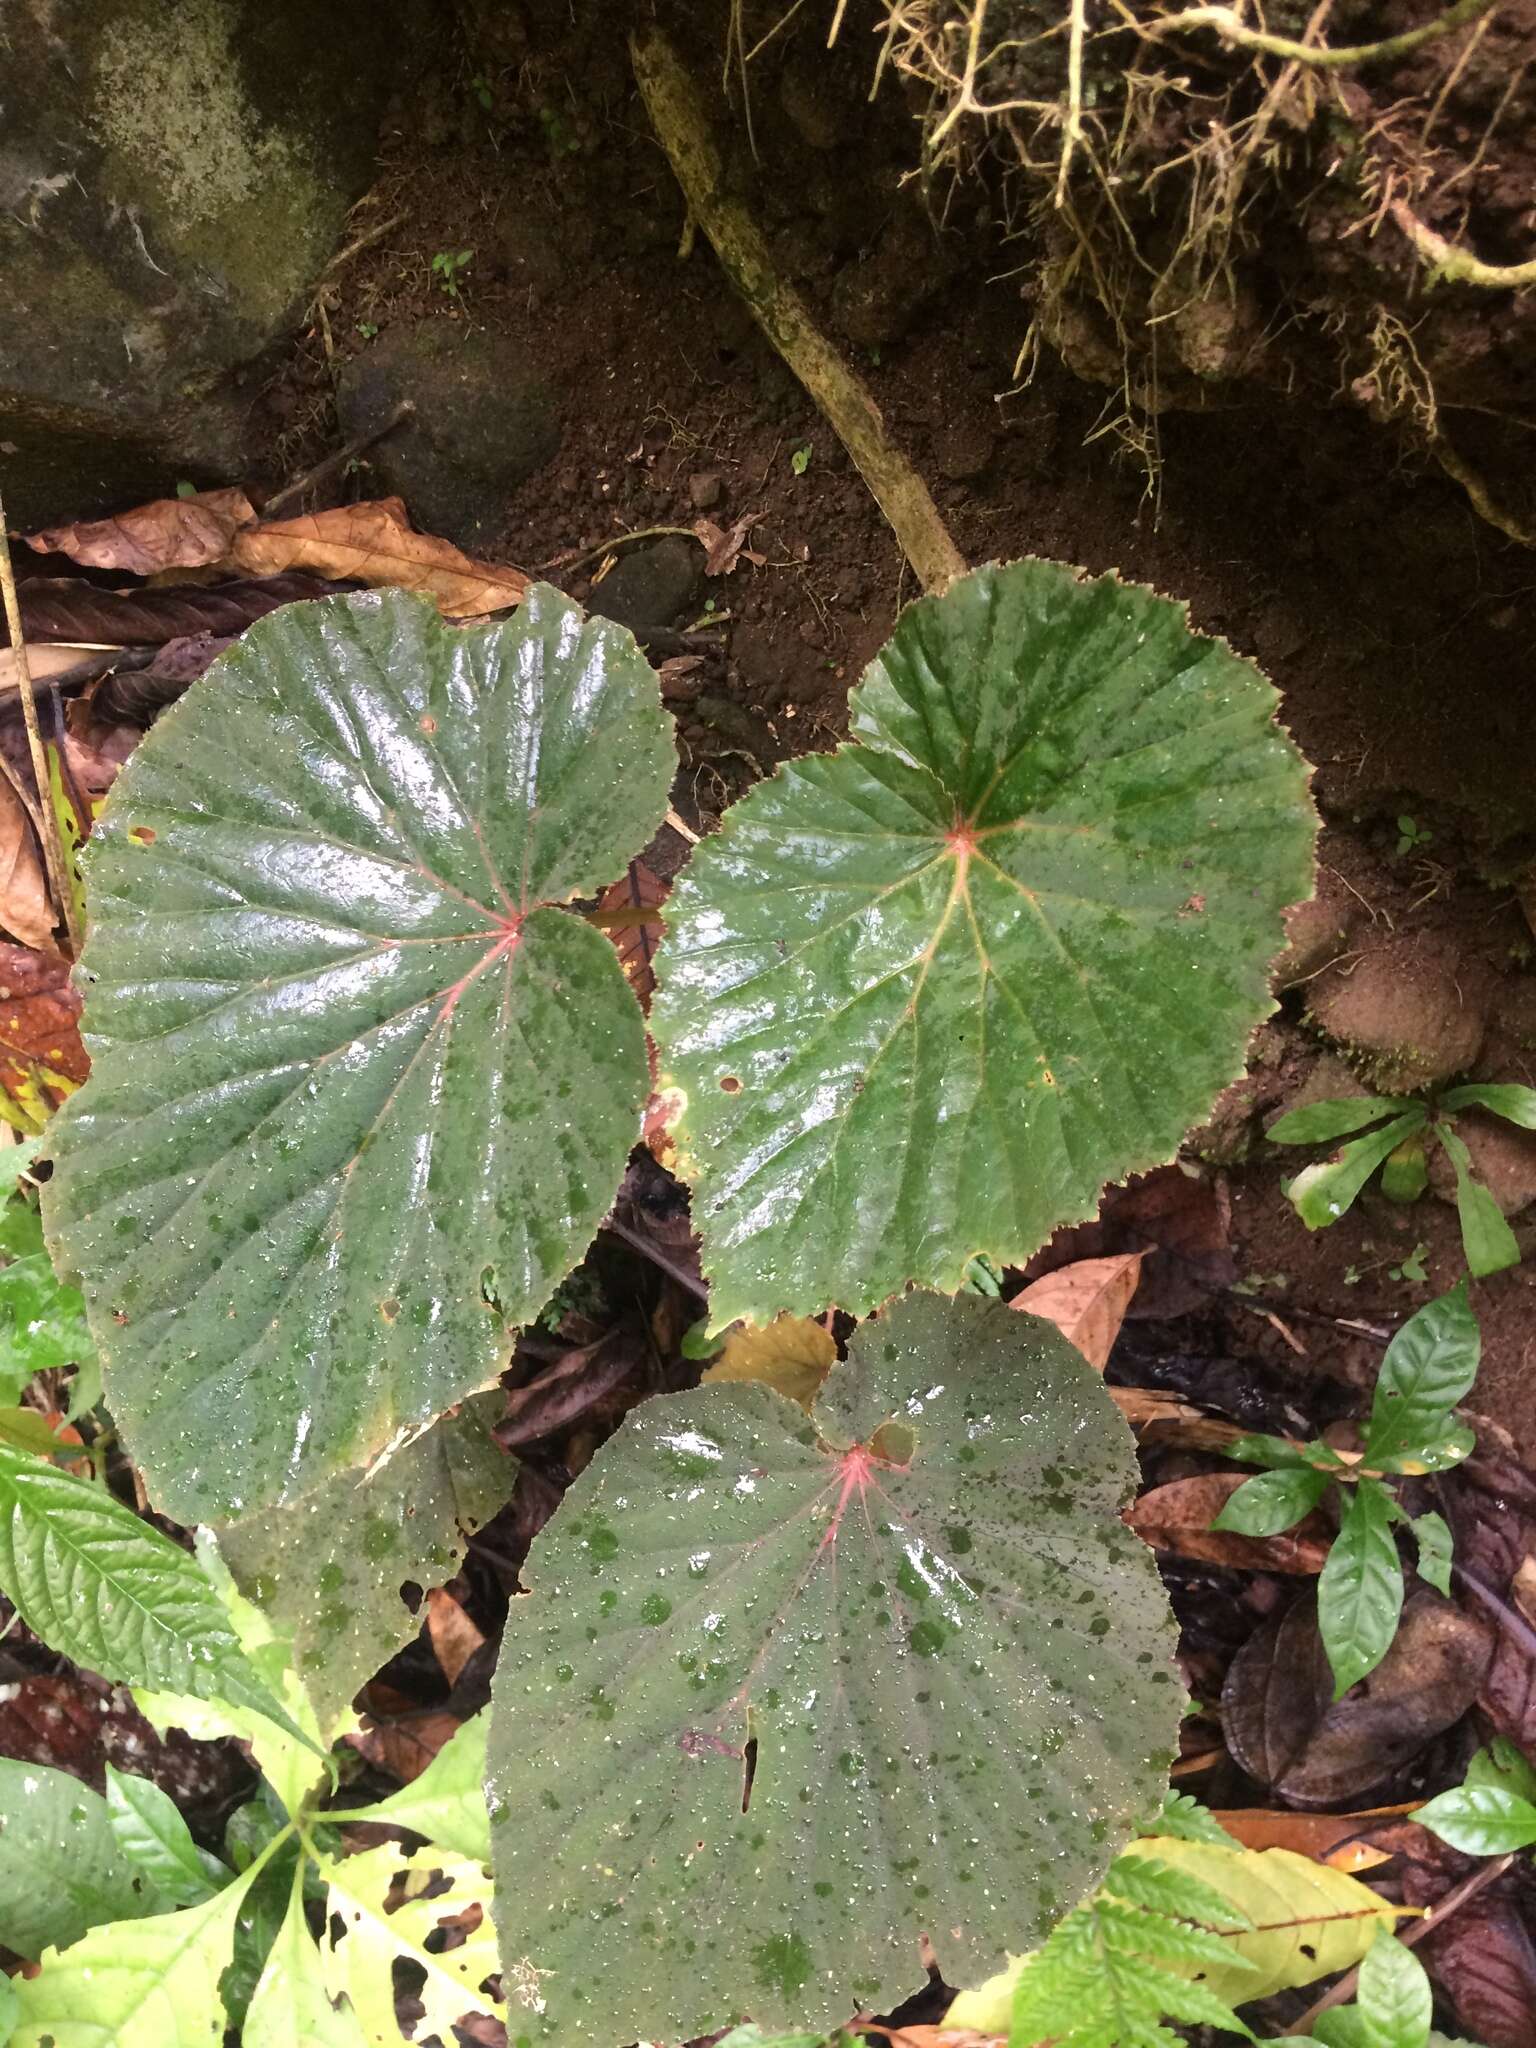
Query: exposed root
x=1451, y=265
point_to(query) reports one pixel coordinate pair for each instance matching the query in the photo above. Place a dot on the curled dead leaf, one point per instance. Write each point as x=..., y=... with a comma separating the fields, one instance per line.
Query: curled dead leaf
x=167, y=533
x=1343, y=1840
x=724, y=547
x=26, y=908
x=455, y=1638
x=1086, y=1301
x=375, y=543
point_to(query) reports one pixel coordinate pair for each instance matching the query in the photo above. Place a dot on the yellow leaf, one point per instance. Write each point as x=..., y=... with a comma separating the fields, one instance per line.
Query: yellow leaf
x=793, y=1355
x=382, y=1922
x=1308, y=1921
x=1086, y=1301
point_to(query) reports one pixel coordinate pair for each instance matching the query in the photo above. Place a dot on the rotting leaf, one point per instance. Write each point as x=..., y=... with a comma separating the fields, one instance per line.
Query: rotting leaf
x=1286, y=1730
x=936, y=1660
x=1087, y=1302
x=925, y=995
x=27, y=909
x=346, y=1044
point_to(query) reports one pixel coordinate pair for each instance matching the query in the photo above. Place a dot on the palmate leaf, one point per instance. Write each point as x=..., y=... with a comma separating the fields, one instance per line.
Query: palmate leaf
x=922, y=997
x=327, y=1571
x=947, y=1668
x=358, y=1101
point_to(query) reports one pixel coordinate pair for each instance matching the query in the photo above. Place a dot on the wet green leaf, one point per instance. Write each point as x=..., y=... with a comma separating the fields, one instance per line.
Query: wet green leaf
x=1272, y=1501
x=1360, y=1589
x=290, y=2007
x=1507, y=1099
x=358, y=1101
x=327, y=1571
x=101, y=1586
x=1433, y=1536
x=1481, y=1819
x=1486, y=1237
x=61, y=1869
x=1501, y=1764
x=1321, y=1194
x=955, y=1672
x=1394, y=1998
x=1405, y=1174
x=922, y=997
x=1316, y=1123
x=1429, y=1367
x=42, y=1323
x=149, y=1830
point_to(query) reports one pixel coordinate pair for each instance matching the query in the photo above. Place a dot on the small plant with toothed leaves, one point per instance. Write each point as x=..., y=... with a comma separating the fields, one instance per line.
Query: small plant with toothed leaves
x=1428, y=1369
x=366, y=1080
x=1399, y=1146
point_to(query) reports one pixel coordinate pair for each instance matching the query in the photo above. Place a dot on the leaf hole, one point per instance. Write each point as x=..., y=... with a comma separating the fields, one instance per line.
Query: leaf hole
x=142, y=835
x=389, y=1308
x=731, y=1084
x=748, y=1771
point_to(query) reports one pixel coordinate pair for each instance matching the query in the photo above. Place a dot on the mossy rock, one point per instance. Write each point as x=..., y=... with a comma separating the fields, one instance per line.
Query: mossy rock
x=174, y=183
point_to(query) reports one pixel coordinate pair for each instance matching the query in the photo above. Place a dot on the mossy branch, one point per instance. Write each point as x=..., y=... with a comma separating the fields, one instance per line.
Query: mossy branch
x=1451, y=265
x=1232, y=29
x=672, y=101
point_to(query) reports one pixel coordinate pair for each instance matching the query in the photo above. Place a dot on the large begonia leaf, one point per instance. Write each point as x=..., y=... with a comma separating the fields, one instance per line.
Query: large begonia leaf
x=791, y=1690
x=922, y=997
x=361, y=1094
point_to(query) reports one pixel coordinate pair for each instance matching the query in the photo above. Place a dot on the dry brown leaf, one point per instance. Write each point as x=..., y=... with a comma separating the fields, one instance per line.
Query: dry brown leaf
x=455, y=1638
x=724, y=547
x=43, y=661
x=640, y=890
x=1087, y=1302
x=1178, y=1518
x=26, y=907
x=1340, y=1839
x=1172, y=1420
x=167, y=533
x=375, y=543
x=792, y=1354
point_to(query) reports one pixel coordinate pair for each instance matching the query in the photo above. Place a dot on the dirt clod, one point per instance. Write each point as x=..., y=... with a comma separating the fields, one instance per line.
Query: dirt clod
x=1405, y=1014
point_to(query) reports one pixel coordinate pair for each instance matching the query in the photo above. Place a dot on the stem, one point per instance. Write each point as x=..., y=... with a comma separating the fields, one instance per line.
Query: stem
x=1231, y=29
x=623, y=540
x=1072, y=133
x=672, y=101
x=1440, y=1912
x=47, y=822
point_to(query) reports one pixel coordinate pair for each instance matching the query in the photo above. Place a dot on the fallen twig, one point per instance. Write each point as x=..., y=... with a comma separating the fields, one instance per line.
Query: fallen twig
x=336, y=461
x=44, y=817
x=672, y=102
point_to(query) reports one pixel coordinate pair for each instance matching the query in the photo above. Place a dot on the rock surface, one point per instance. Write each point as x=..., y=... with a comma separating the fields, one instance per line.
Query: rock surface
x=1503, y=1159
x=173, y=180
x=1406, y=1015
x=483, y=424
x=655, y=583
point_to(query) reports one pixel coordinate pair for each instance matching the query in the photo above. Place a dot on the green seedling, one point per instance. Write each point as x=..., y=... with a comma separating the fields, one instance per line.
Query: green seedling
x=368, y=329
x=1429, y=1367
x=1493, y=1810
x=1411, y=835
x=448, y=267
x=800, y=460
x=1321, y=1194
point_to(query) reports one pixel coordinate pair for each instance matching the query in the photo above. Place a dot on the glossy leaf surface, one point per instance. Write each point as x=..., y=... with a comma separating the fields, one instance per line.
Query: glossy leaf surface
x=1429, y=1367
x=1360, y=1590
x=922, y=997
x=149, y=1830
x=358, y=1100
x=955, y=1673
